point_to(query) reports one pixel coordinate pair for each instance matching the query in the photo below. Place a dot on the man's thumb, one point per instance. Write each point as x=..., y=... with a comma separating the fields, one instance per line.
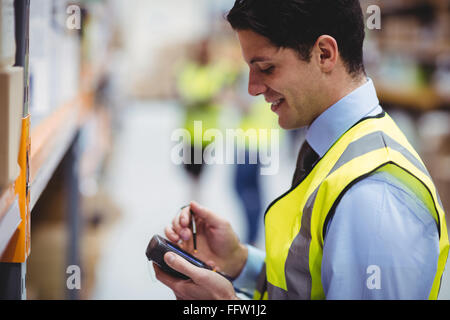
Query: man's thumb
x=181, y=265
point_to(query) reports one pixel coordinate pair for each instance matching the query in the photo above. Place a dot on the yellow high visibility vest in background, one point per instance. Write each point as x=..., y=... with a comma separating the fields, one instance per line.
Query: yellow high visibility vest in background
x=260, y=117
x=199, y=86
x=295, y=222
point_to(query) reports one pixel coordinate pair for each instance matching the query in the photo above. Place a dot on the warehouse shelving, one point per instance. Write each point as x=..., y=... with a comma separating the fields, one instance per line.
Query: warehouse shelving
x=417, y=30
x=53, y=141
x=50, y=141
x=422, y=99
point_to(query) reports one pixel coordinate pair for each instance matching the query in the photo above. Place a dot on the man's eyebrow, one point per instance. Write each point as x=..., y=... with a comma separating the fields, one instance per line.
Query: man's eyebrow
x=258, y=59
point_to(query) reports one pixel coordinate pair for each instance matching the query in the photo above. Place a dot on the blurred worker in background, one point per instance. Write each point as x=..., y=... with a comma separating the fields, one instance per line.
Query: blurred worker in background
x=363, y=219
x=256, y=115
x=199, y=85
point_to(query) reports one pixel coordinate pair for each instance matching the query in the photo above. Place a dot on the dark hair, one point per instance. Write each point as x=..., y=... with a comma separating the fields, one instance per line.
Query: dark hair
x=297, y=24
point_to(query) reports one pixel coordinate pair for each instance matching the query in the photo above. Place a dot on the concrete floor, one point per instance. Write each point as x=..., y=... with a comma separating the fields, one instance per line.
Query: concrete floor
x=149, y=189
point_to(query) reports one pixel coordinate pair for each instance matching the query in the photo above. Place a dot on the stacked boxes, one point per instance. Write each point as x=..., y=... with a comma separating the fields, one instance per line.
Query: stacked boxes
x=11, y=97
x=40, y=51
x=7, y=41
x=54, y=58
x=11, y=102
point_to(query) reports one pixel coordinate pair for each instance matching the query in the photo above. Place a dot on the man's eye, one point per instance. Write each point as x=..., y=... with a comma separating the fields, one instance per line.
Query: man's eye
x=268, y=70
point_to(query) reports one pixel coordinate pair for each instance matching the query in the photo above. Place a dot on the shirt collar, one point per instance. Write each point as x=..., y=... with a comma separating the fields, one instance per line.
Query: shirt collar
x=337, y=119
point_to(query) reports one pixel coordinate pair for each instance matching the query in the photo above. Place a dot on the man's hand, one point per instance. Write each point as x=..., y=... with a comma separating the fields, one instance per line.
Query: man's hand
x=203, y=284
x=218, y=245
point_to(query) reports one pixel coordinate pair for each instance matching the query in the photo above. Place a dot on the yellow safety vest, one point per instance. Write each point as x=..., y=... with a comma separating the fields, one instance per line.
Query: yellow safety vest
x=198, y=87
x=199, y=84
x=260, y=117
x=296, y=221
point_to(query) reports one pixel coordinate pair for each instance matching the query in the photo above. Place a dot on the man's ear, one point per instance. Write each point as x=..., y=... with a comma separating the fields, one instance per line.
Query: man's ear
x=327, y=53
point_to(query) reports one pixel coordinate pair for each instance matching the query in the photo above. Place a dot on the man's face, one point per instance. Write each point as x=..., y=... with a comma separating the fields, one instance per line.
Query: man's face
x=288, y=83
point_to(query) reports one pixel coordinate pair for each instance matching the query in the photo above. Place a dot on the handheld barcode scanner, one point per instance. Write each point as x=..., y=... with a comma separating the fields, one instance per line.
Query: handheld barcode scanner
x=159, y=246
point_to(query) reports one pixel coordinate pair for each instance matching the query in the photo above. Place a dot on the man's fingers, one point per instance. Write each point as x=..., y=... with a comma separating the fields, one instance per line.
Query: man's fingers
x=181, y=231
x=171, y=282
x=203, y=284
x=186, y=234
x=163, y=277
x=183, y=266
x=205, y=214
x=171, y=235
x=185, y=217
x=176, y=224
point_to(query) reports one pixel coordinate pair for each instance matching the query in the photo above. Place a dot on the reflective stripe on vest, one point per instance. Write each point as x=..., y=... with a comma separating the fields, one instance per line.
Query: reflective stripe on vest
x=296, y=221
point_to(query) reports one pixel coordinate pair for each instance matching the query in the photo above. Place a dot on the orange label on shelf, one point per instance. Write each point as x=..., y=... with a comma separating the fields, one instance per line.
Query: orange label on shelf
x=19, y=246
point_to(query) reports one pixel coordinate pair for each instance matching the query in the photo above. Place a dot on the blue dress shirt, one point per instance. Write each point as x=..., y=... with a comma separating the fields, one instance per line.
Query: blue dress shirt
x=382, y=242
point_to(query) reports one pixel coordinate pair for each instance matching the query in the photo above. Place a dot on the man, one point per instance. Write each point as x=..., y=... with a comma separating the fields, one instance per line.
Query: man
x=363, y=219
x=199, y=83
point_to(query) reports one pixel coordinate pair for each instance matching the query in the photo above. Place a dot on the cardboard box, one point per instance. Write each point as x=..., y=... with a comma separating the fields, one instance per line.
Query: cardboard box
x=46, y=266
x=40, y=62
x=100, y=214
x=7, y=34
x=11, y=109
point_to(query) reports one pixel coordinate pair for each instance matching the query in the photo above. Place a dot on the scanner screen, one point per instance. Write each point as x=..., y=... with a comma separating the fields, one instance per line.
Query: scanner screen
x=185, y=254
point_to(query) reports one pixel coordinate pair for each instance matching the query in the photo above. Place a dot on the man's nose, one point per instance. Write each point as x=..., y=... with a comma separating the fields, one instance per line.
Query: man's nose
x=255, y=85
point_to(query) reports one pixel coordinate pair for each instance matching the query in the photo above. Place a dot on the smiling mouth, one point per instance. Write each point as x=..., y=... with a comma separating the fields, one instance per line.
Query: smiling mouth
x=276, y=104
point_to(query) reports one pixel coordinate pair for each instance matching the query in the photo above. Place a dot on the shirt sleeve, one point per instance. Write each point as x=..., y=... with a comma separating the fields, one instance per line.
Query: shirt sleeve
x=382, y=243
x=246, y=281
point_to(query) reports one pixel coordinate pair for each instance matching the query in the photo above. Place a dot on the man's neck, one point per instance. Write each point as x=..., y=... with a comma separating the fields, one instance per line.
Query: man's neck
x=343, y=87
x=339, y=88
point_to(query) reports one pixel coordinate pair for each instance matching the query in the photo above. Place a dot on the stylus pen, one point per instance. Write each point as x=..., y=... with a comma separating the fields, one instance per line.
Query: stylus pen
x=194, y=227
x=194, y=231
